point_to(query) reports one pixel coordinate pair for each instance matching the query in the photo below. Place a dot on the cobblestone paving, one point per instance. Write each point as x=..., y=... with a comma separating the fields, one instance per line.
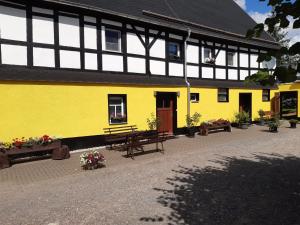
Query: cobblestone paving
x=59, y=192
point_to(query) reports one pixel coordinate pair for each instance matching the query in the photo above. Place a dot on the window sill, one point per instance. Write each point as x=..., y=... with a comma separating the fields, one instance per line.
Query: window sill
x=121, y=123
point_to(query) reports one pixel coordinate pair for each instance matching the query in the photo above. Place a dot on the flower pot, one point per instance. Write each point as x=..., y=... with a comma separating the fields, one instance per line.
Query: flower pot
x=244, y=126
x=262, y=123
x=293, y=125
x=273, y=129
x=191, y=131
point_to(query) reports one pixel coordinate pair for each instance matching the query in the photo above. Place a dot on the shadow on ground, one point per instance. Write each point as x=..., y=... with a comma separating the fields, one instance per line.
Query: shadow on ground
x=263, y=191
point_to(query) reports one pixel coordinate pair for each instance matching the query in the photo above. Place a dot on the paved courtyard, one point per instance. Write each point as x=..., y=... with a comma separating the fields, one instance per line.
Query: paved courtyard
x=244, y=177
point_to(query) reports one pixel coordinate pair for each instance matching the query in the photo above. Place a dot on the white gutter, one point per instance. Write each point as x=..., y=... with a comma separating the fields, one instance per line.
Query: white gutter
x=188, y=85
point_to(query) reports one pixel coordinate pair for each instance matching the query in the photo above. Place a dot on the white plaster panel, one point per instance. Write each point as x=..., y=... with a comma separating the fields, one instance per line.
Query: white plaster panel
x=90, y=61
x=174, y=36
x=69, y=31
x=112, y=62
x=13, y=23
x=221, y=59
x=244, y=74
x=232, y=74
x=90, y=19
x=244, y=60
x=176, y=69
x=134, y=45
x=253, y=72
x=220, y=74
x=193, y=54
x=157, y=67
x=110, y=22
x=158, y=49
x=43, y=30
x=90, y=37
x=43, y=57
x=69, y=59
x=14, y=55
x=207, y=72
x=41, y=10
x=192, y=71
x=253, y=61
x=136, y=65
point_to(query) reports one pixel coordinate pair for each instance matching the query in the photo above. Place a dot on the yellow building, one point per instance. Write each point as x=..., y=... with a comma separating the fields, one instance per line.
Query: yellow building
x=71, y=69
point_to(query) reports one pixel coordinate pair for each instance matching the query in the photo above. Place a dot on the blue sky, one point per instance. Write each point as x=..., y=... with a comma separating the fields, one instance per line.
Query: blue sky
x=259, y=11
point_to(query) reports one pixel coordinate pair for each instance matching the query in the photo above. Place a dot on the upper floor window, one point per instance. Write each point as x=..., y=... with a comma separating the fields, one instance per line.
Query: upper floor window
x=112, y=40
x=231, y=58
x=174, y=50
x=207, y=55
x=266, y=95
x=223, y=95
x=117, y=109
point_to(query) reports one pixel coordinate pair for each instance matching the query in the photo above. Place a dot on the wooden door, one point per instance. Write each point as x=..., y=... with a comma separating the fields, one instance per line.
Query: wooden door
x=275, y=104
x=165, y=109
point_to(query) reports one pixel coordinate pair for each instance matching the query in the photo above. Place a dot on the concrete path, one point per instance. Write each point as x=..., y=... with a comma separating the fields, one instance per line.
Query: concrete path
x=244, y=177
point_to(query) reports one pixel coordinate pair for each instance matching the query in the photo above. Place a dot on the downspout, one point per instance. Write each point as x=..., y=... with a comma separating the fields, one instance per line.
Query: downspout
x=188, y=85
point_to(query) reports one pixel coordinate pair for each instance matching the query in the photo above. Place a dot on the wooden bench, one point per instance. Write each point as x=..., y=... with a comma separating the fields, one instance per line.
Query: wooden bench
x=118, y=134
x=57, y=151
x=137, y=141
x=204, y=129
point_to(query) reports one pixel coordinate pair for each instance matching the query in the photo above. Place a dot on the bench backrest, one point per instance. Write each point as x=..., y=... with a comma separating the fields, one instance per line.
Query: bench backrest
x=120, y=129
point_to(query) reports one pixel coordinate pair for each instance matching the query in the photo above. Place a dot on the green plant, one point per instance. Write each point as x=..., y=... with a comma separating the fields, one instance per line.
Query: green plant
x=262, y=77
x=293, y=121
x=192, y=121
x=242, y=117
x=153, y=122
x=261, y=113
x=274, y=123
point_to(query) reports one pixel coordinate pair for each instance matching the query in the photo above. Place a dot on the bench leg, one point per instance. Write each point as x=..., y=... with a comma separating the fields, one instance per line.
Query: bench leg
x=4, y=161
x=157, y=149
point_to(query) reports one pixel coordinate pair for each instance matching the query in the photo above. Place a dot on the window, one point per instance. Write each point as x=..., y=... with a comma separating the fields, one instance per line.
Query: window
x=112, y=40
x=194, y=97
x=231, y=58
x=223, y=95
x=117, y=109
x=266, y=95
x=207, y=54
x=174, y=50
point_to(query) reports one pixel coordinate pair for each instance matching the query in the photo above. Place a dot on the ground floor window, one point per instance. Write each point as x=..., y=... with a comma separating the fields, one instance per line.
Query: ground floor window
x=223, y=95
x=266, y=95
x=117, y=106
x=194, y=97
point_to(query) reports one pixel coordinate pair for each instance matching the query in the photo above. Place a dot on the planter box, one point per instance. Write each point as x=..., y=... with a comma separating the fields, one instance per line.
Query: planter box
x=57, y=151
x=204, y=129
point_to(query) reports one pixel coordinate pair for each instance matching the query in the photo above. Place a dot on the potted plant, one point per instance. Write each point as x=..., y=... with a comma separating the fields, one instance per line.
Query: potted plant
x=273, y=125
x=153, y=122
x=192, y=122
x=119, y=118
x=261, y=114
x=210, y=61
x=92, y=160
x=293, y=123
x=242, y=119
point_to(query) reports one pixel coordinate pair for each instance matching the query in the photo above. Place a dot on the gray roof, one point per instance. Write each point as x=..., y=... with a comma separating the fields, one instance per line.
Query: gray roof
x=216, y=15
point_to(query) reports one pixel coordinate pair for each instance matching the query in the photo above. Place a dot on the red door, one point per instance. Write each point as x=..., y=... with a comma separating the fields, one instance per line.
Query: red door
x=165, y=113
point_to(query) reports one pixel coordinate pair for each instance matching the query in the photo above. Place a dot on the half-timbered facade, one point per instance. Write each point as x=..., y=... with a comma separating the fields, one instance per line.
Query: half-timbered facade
x=72, y=68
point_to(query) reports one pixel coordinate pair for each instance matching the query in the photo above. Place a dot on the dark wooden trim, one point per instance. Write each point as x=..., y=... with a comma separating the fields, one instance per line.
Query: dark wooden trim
x=81, y=39
x=124, y=47
x=29, y=35
x=99, y=44
x=167, y=53
x=139, y=36
x=238, y=63
x=56, y=40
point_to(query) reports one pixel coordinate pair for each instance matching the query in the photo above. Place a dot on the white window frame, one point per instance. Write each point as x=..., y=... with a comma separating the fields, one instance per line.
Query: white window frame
x=233, y=58
x=119, y=40
x=204, y=59
x=122, y=105
x=178, y=49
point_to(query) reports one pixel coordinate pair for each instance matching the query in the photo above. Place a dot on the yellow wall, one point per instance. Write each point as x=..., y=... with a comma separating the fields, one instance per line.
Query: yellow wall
x=72, y=110
x=291, y=87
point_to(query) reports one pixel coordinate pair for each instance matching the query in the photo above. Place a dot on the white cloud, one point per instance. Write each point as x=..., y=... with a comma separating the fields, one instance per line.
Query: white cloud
x=241, y=3
x=293, y=34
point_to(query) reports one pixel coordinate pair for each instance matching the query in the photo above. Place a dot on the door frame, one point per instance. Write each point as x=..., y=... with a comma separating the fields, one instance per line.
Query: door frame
x=280, y=106
x=251, y=108
x=174, y=98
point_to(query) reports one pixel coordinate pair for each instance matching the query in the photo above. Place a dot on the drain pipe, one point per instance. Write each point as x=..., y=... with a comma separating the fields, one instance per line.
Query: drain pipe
x=188, y=85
